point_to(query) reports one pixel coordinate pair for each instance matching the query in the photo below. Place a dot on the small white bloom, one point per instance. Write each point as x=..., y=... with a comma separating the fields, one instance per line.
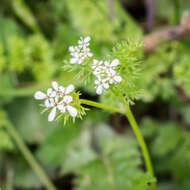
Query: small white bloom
x=52, y=115
x=67, y=90
x=114, y=63
x=100, y=72
x=86, y=53
x=55, y=105
x=111, y=66
x=78, y=59
x=59, y=99
x=81, y=52
x=100, y=85
x=41, y=96
x=64, y=105
x=83, y=43
x=112, y=77
x=74, y=50
x=105, y=73
x=60, y=90
x=96, y=63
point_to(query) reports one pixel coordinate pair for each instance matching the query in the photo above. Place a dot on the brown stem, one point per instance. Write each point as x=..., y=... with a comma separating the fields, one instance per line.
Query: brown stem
x=169, y=33
x=150, y=12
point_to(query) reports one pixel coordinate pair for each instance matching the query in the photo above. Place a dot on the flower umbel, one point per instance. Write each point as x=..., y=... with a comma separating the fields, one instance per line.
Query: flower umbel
x=81, y=52
x=105, y=74
x=58, y=98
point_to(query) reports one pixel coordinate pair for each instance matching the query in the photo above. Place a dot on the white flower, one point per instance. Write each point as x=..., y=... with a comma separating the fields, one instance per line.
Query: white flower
x=55, y=105
x=112, y=77
x=111, y=66
x=41, y=96
x=74, y=51
x=64, y=105
x=114, y=63
x=100, y=72
x=86, y=53
x=83, y=43
x=58, y=98
x=100, y=85
x=78, y=59
x=105, y=73
x=96, y=64
x=67, y=90
x=58, y=89
x=81, y=52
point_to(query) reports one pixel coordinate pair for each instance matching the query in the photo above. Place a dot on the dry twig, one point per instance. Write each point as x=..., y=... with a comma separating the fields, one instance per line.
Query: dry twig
x=170, y=33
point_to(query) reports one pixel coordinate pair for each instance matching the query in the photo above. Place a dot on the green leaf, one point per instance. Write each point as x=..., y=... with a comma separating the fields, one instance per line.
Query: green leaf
x=25, y=116
x=117, y=165
x=52, y=151
x=25, y=176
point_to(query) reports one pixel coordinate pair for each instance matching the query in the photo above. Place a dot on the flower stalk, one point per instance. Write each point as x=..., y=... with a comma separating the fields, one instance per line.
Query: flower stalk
x=29, y=157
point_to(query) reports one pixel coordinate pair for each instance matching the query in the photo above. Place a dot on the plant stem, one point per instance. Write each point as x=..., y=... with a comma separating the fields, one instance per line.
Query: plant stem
x=140, y=139
x=29, y=157
x=135, y=128
x=101, y=106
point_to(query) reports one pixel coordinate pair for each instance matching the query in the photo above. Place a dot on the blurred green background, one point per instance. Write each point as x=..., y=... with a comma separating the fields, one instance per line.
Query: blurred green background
x=100, y=151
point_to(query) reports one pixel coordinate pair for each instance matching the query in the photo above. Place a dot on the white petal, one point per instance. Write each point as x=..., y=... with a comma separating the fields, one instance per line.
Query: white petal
x=67, y=99
x=61, y=108
x=39, y=95
x=47, y=103
x=112, y=72
x=69, y=89
x=73, y=60
x=71, y=48
x=99, y=90
x=52, y=115
x=115, y=62
x=95, y=61
x=106, y=85
x=97, y=82
x=72, y=111
x=55, y=85
x=107, y=63
x=49, y=91
x=90, y=54
x=61, y=88
x=117, y=78
x=80, y=41
x=87, y=39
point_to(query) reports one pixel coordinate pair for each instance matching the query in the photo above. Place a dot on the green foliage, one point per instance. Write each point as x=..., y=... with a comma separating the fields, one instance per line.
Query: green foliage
x=129, y=54
x=164, y=70
x=33, y=126
x=98, y=24
x=34, y=41
x=25, y=177
x=24, y=13
x=170, y=147
x=117, y=161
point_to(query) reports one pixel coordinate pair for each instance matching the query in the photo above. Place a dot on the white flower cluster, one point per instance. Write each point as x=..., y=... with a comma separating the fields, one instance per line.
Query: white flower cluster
x=81, y=52
x=58, y=98
x=105, y=73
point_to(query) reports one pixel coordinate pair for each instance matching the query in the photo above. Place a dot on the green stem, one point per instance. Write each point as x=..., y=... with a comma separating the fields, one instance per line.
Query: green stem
x=29, y=157
x=101, y=106
x=140, y=139
x=134, y=126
